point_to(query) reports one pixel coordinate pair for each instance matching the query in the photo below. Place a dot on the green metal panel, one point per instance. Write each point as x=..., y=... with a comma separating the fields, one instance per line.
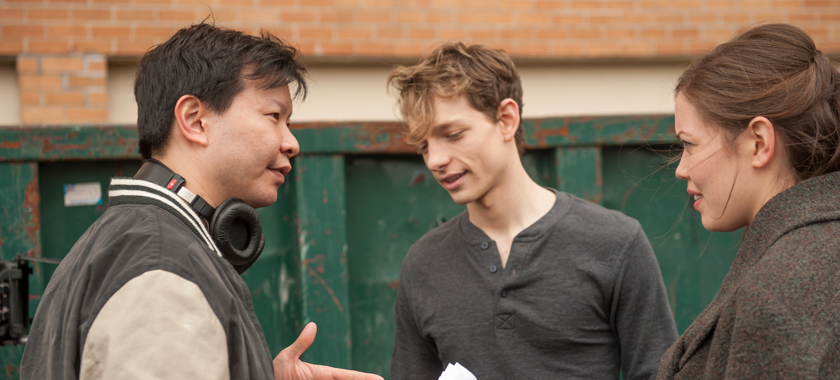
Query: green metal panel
x=579, y=172
x=322, y=237
x=20, y=233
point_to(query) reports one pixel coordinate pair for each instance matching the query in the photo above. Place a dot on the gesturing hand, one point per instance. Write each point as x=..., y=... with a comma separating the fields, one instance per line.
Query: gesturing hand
x=287, y=365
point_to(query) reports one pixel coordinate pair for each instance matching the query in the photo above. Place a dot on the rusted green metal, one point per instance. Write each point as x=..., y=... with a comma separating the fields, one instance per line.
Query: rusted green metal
x=579, y=172
x=322, y=238
x=120, y=142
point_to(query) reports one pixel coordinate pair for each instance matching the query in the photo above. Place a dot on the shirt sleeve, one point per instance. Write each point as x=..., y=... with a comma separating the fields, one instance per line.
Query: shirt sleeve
x=414, y=356
x=157, y=326
x=641, y=314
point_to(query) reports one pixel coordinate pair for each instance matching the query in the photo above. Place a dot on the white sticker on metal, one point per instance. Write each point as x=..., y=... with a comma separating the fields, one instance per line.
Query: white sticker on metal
x=82, y=194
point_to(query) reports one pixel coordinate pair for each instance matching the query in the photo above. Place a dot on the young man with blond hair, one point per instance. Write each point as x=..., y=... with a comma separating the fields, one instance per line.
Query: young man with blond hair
x=528, y=282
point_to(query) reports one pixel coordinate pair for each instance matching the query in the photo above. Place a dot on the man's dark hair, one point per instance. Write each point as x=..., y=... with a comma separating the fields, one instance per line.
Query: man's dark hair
x=211, y=64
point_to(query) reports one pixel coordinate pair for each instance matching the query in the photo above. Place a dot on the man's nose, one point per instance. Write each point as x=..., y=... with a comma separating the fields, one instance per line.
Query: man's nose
x=288, y=143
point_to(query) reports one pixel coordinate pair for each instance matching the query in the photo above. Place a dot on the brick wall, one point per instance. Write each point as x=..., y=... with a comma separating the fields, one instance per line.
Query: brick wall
x=50, y=38
x=387, y=28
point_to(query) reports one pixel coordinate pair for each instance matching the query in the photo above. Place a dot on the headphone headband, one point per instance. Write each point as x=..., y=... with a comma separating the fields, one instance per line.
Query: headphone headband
x=156, y=172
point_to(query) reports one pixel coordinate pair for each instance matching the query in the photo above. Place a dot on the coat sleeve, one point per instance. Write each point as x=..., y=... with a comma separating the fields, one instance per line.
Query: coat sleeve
x=641, y=315
x=157, y=326
x=414, y=356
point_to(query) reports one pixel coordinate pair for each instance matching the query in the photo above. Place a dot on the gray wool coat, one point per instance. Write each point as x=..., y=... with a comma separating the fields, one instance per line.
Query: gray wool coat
x=777, y=315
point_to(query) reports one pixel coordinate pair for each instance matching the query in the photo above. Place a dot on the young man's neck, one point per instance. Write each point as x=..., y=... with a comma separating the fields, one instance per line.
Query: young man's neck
x=512, y=205
x=192, y=176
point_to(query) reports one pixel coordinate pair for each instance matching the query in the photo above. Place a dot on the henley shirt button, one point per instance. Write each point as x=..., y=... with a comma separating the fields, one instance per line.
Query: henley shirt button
x=503, y=293
x=484, y=245
x=492, y=269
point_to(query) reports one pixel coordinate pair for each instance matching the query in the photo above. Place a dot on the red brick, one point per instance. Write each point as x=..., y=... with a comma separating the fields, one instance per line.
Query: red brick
x=656, y=4
x=605, y=19
x=374, y=49
x=56, y=98
x=82, y=81
x=618, y=4
x=87, y=14
x=352, y=33
x=768, y=17
x=537, y=50
x=316, y=3
x=284, y=33
x=95, y=65
x=297, y=16
x=703, y=18
x=236, y=2
x=67, y=1
x=337, y=49
x=587, y=33
x=47, y=14
x=515, y=4
x=67, y=30
x=653, y=34
x=281, y=3
x=23, y=30
x=153, y=32
x=670, y=49
x=534, y=18
x=736, y=18
x=306, y=48
x=409, y=50
x=685, y=33
x=551, y=34
x=261, y=16
x=315, y=32
x=389, y=33
x=440, y=18
x=570, y=20
x=687, y=4
x=613, y=33
x=374, y=16
x=153, y=1
x=566, y=49
x=26, y=1
x=87, y=114
x=184, y=16
x=346, y=3
x=60, y=65
x=452, y=34
x=111, y=31
x=97, y=98
x=410, y=17
x=781, y=4
x=30, y=97
x=135, y=15
x=42, y=115
x=102, y=47
x=516, y=33
x=586, y=4
x=27, y=65
x=336, y=16
x=48, y=47
x=550, y=4
x=11, y=13
x=801, y=17
x=669, y=18
x=830, y=17
x=39, y=82
x=483, y=34
x=421, y=34
x=11, y=47
x=817, y=3
x=604, y=50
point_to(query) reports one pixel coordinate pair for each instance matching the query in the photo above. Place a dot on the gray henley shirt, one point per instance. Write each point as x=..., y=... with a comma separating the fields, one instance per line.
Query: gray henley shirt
x=581, y=297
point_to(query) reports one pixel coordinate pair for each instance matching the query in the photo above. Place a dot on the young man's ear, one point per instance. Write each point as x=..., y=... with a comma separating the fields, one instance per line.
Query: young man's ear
x=761, y=140
x=189, y=116
x=509, y=118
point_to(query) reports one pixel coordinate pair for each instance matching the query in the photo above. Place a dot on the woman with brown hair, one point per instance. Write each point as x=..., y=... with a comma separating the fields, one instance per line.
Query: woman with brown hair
x=758, y=119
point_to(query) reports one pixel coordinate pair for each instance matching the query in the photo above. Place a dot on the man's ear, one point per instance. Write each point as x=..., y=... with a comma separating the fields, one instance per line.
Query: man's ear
x=189, y=117
x=509, y=118
x=761, y=140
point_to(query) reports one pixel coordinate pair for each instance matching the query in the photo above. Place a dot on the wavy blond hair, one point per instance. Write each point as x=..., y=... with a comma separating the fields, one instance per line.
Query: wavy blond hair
x=486, y=76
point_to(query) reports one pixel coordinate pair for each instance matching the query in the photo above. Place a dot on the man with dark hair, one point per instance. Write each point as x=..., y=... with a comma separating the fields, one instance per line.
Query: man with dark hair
x=149, y=291
x=528, y=282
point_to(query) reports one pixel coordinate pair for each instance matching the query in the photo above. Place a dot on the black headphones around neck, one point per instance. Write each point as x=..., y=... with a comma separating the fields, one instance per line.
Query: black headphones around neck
x=234, y=226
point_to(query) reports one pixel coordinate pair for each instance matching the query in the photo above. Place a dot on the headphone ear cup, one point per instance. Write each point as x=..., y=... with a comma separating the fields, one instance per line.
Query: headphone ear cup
x=242, y=268
x=237, y=232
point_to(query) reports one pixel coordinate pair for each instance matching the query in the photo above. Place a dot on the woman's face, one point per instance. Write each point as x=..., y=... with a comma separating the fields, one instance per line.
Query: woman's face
x=718, y=180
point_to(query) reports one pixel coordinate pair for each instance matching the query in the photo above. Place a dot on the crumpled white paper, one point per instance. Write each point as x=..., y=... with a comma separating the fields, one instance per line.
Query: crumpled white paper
x=456, y=372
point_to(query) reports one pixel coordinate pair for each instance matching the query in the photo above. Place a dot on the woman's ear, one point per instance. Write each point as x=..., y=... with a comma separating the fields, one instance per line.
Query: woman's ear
x=509, y=118
x=190, y=113
x=761, y=139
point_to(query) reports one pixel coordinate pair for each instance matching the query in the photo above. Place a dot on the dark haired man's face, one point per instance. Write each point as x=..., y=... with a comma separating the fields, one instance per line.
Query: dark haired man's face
x=251, y=145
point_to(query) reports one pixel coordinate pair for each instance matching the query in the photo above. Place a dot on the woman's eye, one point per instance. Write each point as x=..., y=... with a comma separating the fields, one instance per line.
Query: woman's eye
x=685, y=144
x=422, y=148
x=455, y=135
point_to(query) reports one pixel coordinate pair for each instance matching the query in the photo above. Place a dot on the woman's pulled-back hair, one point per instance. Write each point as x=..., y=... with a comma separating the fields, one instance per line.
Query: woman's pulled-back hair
x=486, y=76
x=775, y=71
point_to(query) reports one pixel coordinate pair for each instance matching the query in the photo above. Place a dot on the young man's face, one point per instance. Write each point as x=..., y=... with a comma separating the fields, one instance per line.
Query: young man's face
x=465, y=150
x=251, y=145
